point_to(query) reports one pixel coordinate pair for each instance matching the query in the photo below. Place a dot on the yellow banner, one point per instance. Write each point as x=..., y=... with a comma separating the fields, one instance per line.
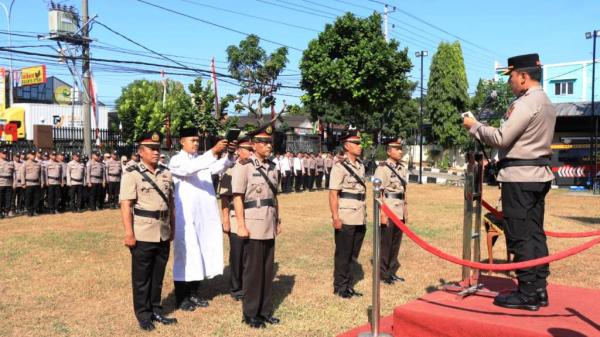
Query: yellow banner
x=569, y=146
x=33, y=75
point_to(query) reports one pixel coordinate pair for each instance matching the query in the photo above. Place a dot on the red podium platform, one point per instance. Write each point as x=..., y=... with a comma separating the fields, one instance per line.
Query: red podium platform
x=573, y=312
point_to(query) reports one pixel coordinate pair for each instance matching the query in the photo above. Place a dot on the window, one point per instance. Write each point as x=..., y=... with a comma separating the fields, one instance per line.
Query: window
x=563, y=88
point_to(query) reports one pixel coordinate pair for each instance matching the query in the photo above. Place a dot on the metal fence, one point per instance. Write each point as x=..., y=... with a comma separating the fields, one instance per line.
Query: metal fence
x=70, y=139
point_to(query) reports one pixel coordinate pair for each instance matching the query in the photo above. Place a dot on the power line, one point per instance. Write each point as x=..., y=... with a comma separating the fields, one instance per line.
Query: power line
x=250, y=15
x=215, y=24
x=297, y=10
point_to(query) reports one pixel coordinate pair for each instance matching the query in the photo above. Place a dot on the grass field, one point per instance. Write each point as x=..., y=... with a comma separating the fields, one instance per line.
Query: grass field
x=69, y=275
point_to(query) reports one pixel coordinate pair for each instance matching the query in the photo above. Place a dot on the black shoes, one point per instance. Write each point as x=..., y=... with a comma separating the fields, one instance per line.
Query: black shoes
x=198, y=302
x=271, y=319
x=147, y=325
x=518, y=300
x=237, y=297
x=163, y=320
x=254, y=322
x=187, y=305
x=354, y=292
x=388, y=280
x=542, y=296
x=343, y=294
x=397, y=278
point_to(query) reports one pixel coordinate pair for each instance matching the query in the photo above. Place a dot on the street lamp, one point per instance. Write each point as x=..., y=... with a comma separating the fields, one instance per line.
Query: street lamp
x=421, y=54
x=594, y=143
x=8, y=12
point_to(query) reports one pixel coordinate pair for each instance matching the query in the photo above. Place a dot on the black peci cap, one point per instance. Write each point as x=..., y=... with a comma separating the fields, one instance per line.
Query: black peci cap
x=522, y=61
x=188, y=132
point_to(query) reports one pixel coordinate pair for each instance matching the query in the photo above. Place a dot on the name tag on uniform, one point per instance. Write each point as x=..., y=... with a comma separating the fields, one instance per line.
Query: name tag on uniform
x=256, y=174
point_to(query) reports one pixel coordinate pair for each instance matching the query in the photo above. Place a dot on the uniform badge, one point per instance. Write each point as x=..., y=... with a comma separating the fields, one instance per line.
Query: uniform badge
x=155, y=137
x=258, y=189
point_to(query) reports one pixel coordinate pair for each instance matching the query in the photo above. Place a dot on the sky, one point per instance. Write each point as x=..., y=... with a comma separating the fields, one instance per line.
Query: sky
x=192, y=32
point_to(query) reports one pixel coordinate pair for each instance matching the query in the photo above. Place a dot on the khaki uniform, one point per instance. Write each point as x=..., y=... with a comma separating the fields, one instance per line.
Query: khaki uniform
x=328, y=166
x=33, y=177
x=96, y=175
x=260, y=216
x=352, y=211
x=394, y=196
x=54, y=176
x=352, y=207
x=19, y=194
x=7, y=183
x=76, y=182
x=319, y=170
x=152, y=231
x=113, y=176
x=134, y=187
x=525, y=134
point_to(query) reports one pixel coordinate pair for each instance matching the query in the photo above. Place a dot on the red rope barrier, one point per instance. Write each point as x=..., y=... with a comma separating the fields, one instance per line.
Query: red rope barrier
x=477, y=265
x=499, y=215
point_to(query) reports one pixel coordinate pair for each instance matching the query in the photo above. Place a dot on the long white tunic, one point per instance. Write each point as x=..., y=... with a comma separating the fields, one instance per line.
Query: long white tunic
x=198, y=243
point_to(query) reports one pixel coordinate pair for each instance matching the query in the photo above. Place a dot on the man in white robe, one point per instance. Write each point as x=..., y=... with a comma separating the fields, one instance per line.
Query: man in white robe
x=198, y=242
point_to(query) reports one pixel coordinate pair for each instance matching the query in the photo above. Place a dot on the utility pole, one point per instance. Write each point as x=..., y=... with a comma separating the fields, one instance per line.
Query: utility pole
x=87, y=123
x=421, y=54
x=594, y=141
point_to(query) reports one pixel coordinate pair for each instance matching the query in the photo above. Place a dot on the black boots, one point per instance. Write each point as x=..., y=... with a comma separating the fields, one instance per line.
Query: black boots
x=527, y=297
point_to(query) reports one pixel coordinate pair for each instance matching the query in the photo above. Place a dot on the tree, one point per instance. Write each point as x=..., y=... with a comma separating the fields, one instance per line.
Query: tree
x=352, y=76
x=140, y=106
x=447, y=95
x=296, y=110
x=257, y=73
x=499, y=106
x=201, y=114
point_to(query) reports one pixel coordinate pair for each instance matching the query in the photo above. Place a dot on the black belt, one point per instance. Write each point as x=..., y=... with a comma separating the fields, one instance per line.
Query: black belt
x=355, y=196
x=77, y=180
x=6, y=177
x=510, y=162
x=151, y=214
x=32, y=180
x=114, y=175
x=259, y=203
x=394, y=195
x=97, y=177
x=56, y=178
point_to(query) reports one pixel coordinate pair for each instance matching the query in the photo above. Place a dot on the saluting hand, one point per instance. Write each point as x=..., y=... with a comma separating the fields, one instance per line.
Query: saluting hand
x=129, y=241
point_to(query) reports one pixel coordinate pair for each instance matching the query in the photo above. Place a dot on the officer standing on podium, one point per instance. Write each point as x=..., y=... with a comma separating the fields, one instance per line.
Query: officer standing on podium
x=524, y=141
x=146, y=203
x=393, y=186
x=347, y=197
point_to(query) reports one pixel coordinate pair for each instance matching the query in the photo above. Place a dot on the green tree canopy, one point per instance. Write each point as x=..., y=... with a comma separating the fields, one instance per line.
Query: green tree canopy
x=447, y=95
x=140, y=106
x=500, y=105
x=257, y=74
x=352, y=76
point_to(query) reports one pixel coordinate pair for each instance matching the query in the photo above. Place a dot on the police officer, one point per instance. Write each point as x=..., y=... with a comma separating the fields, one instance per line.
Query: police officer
x=7, y=183
x=328, y=165
x=113, y=172
x=96, y=180
x=319, y=170
x=348, y=211
x=146, y=200
x=393, y=176
x=54, y=175
x=76, y=182
x=33, y=180
x=64, y=190
x=254, y=188
x=524, y=141
x=17, y=202
x=236, y=244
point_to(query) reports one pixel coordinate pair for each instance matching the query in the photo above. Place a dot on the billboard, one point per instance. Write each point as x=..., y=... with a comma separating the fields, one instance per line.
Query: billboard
x=33, y=75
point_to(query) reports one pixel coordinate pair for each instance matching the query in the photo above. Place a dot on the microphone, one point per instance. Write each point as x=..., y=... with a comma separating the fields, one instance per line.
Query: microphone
x=490, y=99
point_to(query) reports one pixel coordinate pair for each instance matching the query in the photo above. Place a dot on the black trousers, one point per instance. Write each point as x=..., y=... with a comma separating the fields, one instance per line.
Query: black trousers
x=76, y=197
x=96, y=197
x=64, y=197
x=113, y=193
x=18, y=199
x=311, y=179
x=186, y=289
x=523, y=208
x=391, y=238
x=286, y=183
x=6, y=198
x=148, y=263
x=348, y=242
x=236, y=264
x=319, y=180
x=32, y=198
x=327, y=176
x=53, y=193
x=258, y=274
x=298, y=181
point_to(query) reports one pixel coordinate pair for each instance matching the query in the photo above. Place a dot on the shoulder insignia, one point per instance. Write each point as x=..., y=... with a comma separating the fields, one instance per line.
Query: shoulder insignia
x=245, y=161
x=131, y=168
x=382, y=163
